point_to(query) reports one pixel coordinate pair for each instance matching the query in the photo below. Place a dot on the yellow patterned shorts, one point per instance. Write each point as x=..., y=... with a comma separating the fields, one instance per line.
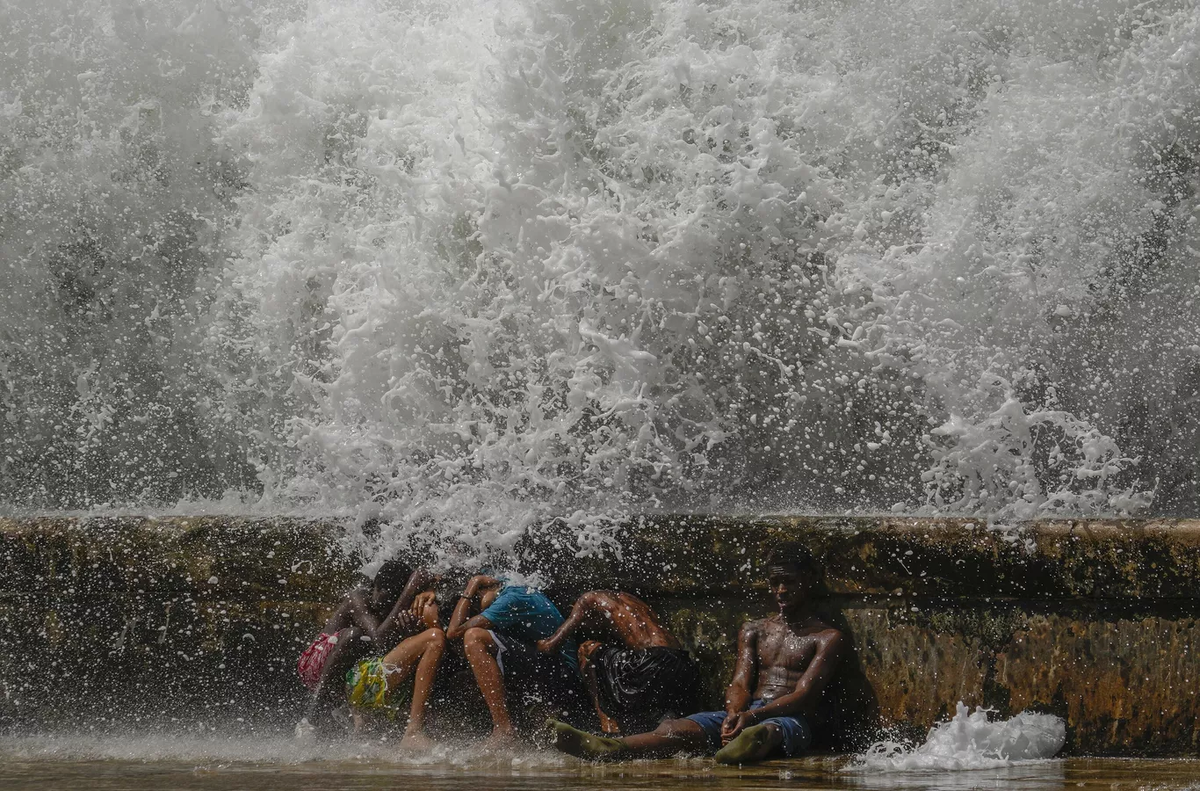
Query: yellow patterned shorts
x=367, y=689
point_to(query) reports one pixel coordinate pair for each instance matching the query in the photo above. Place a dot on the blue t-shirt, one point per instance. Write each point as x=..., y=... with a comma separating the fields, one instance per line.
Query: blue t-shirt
x=526, y=614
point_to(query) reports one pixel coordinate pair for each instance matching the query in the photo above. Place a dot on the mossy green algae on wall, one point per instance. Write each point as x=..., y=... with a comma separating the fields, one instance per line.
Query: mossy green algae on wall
x=137, y=620
x=199, y=620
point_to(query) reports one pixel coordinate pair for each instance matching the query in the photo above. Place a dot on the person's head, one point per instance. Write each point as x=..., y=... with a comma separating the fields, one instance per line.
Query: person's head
x=792, y=575
x=390, y=580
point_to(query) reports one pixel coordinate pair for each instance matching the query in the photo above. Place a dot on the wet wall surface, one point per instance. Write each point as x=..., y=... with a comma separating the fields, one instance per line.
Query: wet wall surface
x=197, y=622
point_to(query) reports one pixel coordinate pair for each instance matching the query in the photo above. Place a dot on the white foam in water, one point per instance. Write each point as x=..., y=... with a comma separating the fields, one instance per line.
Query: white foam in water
x=274, y=749
x=971, y=740
x=467, y=266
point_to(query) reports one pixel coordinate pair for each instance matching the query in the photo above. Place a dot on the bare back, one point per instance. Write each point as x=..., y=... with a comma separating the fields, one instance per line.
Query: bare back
x=612, y=617
x=636, y=623
x=624, y=617
x=343, y=616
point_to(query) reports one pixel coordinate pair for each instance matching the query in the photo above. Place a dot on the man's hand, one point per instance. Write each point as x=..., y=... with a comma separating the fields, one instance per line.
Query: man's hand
x=545, y=646
x=422, y=601
x=735, y=724
x=461, y=619
x=408, y=622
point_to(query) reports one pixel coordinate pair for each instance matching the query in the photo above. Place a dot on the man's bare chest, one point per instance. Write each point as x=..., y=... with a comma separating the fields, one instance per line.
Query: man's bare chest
x=786, y=649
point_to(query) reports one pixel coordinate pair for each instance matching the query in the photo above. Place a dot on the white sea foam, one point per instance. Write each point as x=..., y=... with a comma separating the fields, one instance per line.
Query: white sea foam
x=260, y=748
x=470, y=266
x=970, y=740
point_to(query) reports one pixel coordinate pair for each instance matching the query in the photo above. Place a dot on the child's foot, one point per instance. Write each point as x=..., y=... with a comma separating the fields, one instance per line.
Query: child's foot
x=416, y=742
x=752, y=745
x=306, y=732
x=500, y=740
x=581, y=744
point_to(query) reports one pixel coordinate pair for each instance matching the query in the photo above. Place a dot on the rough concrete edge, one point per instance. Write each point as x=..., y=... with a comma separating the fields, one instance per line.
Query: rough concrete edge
x=1092, y=560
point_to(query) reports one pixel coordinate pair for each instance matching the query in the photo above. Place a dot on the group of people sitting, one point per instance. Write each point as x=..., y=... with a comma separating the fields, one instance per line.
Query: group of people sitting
x=381, y=650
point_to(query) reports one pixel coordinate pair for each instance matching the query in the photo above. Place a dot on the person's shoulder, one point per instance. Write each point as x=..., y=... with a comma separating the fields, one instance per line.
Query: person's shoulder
x=609, y=598
x=538, y=599
x=757, y=626
x=626, y=599
x=826, y=634
x=507, y=594
x=356, y=595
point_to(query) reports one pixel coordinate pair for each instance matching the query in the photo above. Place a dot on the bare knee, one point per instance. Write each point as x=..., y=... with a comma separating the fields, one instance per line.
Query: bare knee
x=435, y=639
x=666, y=727
x=676, y=727
x=477, y=642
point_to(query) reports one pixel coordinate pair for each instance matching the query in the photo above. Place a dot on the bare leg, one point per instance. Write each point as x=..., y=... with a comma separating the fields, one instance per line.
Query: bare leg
x=480, y=649
x=332, y=686
x=668, y=738
x=583, y=612
x=588, y=668
x=421, y=654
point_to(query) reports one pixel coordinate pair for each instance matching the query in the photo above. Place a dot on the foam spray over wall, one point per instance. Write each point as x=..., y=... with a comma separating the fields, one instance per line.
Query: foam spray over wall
x=467, y=267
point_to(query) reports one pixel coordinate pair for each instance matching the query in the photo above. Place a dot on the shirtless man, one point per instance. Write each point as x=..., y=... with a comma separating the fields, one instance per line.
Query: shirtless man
x=783, y=663
x=369, y=621
x=637, y=686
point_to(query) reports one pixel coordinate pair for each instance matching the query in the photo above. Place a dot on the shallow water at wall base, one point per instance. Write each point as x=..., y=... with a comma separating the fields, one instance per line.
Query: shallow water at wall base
x=663, y=774
x=137, y=764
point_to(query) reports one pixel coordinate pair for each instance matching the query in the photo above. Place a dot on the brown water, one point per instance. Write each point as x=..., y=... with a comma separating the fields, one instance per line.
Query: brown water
x=145, y=763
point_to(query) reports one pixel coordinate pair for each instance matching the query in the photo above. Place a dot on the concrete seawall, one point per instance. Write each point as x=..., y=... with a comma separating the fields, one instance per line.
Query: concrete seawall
x=197, y=621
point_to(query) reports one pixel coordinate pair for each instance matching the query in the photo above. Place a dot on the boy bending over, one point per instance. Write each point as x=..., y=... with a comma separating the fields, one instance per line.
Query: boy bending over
x=639, y=675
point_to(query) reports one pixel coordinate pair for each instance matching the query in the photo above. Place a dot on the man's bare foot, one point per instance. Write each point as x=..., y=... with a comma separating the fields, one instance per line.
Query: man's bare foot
x=582, y=744
x=752, y=745
x=500, y=739
x=416, y=742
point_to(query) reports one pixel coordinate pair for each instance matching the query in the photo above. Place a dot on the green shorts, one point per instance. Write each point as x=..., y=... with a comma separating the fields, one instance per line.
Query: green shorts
x=367, y=688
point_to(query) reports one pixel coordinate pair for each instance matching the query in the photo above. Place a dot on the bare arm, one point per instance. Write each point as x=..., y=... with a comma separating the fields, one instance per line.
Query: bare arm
x=462, y=619
x=745, y=671
x=399, y=620
x=425, y=608
x=808, y=689
x=579, y=613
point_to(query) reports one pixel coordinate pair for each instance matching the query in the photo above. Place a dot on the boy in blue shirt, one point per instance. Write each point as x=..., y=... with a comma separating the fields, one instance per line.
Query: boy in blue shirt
x=499, y=624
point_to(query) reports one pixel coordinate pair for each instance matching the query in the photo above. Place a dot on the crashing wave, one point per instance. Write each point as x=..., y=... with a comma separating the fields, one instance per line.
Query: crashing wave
x=468, y=267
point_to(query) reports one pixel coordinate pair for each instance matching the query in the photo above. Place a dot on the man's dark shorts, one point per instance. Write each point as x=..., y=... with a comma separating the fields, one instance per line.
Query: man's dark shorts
x=641, y=687
x=797, y=735
x=533, y=679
